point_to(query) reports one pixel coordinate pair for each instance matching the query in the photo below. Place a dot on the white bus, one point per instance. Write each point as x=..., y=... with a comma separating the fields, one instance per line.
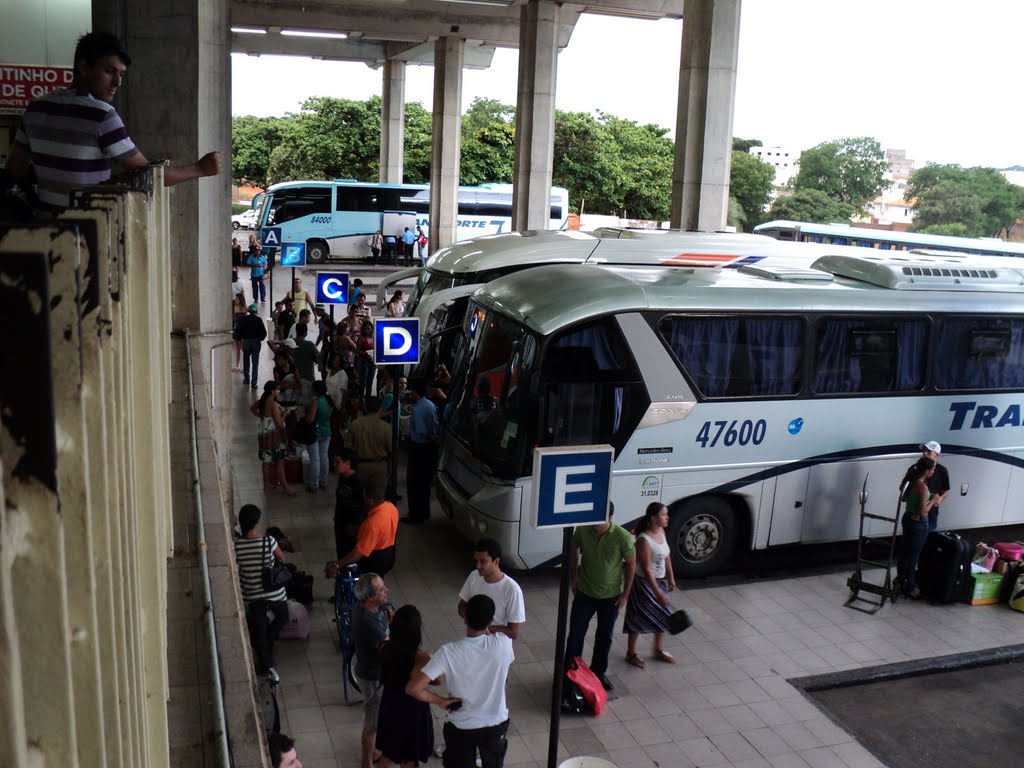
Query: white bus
x=751, y=402
x=885, y=239
x=337, y=218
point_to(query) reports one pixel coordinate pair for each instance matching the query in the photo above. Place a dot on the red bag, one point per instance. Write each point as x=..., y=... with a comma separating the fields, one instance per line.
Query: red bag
x=1009, y=550
x=593, y=692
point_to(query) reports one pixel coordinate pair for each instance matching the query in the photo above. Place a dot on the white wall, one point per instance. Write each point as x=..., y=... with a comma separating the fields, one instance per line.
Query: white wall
x=43, y=31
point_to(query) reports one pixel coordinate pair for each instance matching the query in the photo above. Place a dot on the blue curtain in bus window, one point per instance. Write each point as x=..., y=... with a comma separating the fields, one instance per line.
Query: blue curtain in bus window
x=979, y=353
x=911, y=351
x=705, y=348
x=594, y=338
x=835, y=372
x=774, y=348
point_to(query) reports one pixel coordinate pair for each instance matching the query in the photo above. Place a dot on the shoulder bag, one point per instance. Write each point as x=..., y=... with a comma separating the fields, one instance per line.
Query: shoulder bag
x=274, y=576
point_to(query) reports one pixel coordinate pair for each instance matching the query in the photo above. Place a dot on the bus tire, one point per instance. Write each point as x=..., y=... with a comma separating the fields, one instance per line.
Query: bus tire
x=317, y=251
x=701, y=534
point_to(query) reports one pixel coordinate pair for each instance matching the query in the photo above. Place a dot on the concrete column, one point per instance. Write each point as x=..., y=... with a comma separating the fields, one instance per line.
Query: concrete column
x=535, y=115
x=392, y=123
x=177, y=106
x=447, y=126
x=707, y=87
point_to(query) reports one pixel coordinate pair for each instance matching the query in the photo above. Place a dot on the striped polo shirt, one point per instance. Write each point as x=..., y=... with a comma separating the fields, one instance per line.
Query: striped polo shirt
x=252, y=556
x=74, y=140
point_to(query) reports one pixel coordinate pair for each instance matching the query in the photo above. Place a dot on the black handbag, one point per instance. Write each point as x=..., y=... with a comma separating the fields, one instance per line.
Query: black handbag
x=274, y=576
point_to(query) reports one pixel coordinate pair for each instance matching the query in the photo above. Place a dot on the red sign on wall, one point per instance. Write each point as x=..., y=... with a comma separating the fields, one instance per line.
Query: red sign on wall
x=20, y=84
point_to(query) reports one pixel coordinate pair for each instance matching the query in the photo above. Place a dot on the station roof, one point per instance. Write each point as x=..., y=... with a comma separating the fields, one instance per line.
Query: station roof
x=405, y=30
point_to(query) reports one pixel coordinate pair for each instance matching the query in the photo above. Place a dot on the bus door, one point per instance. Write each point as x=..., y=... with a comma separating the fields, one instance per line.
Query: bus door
x=396, y=222
x=788, y=507
x=832, y=511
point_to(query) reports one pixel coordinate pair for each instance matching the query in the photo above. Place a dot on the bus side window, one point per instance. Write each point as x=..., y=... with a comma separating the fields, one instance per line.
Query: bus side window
x=870, y=355
x=979, y=353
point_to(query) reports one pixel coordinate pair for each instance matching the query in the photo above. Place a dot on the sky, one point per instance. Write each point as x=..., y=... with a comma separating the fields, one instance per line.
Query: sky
x=934, y=77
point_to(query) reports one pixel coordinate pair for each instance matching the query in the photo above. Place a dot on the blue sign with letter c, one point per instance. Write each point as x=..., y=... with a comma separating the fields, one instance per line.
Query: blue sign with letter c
x=332, y=287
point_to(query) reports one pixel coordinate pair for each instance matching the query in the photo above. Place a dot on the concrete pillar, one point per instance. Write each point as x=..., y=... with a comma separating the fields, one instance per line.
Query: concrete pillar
x=535, y=115
x=707, y=87
x=177, y=106
x=392, y=123
x=447, y=127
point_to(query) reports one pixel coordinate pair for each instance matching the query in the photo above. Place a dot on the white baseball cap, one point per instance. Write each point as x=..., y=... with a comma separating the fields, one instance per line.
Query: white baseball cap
x=932, y=446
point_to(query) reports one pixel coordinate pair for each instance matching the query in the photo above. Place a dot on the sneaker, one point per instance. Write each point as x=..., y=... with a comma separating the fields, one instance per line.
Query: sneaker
x=272, y=675
x=253, y=387
x=245, y=381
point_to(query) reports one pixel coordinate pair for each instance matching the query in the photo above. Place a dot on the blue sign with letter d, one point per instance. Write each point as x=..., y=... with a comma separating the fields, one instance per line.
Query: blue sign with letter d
x=396, y=340
x=571, y=485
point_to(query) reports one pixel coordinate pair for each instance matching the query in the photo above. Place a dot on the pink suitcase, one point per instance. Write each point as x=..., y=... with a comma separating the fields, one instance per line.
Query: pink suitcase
x=1011, y=551
x=297, y=627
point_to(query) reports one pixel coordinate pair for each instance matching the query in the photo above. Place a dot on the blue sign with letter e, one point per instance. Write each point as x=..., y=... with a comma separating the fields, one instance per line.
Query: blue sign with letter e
x=396, y=340
x=293, y=255
x=571, y=485
x=271, y=237
x=332, y=287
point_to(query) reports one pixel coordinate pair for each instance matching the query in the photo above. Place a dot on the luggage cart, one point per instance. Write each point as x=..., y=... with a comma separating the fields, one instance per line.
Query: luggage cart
x=344, y=603
x=868, y=548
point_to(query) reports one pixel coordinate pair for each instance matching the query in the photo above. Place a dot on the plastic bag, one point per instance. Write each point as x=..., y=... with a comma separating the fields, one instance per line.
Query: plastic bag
x=593, y=692
x=985, y=556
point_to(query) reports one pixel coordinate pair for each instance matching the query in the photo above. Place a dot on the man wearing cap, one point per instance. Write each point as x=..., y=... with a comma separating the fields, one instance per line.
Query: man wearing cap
x=938, y=483
x=72, y=137
x=251, y=331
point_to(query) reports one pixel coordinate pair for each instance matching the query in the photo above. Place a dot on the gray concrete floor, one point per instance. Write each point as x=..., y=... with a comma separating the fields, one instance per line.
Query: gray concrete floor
x=727, y=702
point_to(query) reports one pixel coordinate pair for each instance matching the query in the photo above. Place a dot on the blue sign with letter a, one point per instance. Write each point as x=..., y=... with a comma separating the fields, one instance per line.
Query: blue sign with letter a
x=271, y=237
x=571, y=485
x=293, y=255
x=332, y=287
x=396, y=340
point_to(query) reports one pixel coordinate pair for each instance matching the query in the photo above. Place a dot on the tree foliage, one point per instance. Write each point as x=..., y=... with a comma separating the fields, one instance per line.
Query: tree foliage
x=488, y=142
x=744, y=145
x=979, y=199
x=811, y=205
x=750, y=184
x=847, y=170
x=252, y=141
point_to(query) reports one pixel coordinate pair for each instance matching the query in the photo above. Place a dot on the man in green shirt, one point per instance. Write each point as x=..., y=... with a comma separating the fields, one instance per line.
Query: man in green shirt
x=602, y=564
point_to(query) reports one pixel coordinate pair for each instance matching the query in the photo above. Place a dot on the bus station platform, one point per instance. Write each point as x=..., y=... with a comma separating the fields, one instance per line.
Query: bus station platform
x=733, y=697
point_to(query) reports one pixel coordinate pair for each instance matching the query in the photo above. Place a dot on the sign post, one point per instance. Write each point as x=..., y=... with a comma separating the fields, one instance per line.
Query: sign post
x=571, y=486
x=396, y=342
x=270, y=239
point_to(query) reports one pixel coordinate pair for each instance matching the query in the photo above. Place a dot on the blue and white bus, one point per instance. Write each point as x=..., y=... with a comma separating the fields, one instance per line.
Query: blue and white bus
x=752, y=402
x=337, y=218
x=885, y=240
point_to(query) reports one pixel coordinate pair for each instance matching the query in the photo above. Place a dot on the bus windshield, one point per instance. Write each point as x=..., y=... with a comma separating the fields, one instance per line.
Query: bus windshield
x=490, y=415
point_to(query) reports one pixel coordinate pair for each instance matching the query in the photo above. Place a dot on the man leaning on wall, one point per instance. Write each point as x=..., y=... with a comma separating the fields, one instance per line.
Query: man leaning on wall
x=71, y=138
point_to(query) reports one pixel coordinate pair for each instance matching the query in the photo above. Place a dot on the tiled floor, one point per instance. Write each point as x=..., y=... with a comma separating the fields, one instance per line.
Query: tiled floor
x=726, y=702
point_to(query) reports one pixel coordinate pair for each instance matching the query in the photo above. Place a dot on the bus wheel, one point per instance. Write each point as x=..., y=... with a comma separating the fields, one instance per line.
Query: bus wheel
x=701, y=534
x=317, y=251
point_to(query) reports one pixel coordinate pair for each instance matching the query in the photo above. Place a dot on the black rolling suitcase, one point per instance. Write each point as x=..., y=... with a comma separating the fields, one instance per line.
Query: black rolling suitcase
x=944, y=570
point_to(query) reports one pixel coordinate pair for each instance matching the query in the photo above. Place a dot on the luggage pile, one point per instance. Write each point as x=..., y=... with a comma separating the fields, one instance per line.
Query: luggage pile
x=951, y=570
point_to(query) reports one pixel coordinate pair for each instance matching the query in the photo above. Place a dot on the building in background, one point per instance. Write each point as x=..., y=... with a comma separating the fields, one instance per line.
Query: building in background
x=782, y=159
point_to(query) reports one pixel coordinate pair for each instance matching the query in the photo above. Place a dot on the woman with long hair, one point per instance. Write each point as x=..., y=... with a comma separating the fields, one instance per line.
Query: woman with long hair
x=648, y=608
x=365, y=367
x=405, y=728
x=318, y=413
x=272, y=439
x=396, y=305
x=915, y=523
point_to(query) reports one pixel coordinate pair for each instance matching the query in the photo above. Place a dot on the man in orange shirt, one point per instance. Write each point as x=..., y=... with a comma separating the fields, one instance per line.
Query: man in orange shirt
x=375, y=544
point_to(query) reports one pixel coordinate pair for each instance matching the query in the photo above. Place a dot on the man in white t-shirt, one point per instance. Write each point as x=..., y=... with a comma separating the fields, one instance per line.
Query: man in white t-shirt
x=474, y=669
x=488, y=579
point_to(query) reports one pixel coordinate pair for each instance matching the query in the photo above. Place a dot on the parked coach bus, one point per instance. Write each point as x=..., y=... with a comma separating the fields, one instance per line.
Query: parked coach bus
x=337, y=218
x=752, y=402
x=838, y=234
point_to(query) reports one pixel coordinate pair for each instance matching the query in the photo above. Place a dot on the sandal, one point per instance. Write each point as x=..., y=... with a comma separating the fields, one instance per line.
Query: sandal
x=636, y=660
x=664, y=656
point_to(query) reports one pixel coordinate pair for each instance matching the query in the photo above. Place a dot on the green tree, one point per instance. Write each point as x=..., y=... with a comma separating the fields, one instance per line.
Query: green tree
x=750, y=183
x=955, y=229
x=645, y=156
x=582, y=163
x=252, y=141
x=744, y=145
x=488, y=142
x=981, y=199
x=811, y=205
x=847, y=170
x=736, y=217
x=418, y=145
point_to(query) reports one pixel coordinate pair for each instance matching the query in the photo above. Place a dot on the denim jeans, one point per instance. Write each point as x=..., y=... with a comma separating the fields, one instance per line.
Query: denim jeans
x=317, y=469
x=583, y=609
x=251, y=360
x=914, y=534
x=260, y=287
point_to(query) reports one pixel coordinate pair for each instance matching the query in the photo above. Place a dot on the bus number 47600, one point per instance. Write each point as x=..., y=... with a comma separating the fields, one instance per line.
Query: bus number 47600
x=726, y=431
